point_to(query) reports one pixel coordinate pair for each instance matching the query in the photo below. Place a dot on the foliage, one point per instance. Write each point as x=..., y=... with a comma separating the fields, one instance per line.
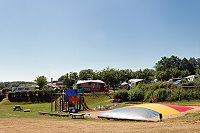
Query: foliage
x=2, y=85
x=87, y=74
x=41, y=81
x=174, y=67
x=110, y=76
x=160, y=94
x=197, y=71
x=70, y=79
x=147, y=74
x=7, y=89
x=121, y=94
x=14, y=84
x=148, y=95
x=2, y=97
x=191, y=83
x=136, y=94
x=30, y=96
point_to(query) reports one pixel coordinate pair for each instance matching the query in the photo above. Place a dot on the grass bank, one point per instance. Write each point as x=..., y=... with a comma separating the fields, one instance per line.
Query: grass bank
x=92, y=100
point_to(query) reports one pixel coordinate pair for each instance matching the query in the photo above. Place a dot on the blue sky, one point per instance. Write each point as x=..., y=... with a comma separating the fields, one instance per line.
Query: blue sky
x=54, y=37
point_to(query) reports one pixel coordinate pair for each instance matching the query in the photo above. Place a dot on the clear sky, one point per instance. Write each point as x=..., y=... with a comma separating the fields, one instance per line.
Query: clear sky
x=54, y=37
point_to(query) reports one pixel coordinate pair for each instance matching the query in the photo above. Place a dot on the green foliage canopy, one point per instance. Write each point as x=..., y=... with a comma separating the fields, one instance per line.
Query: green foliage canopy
x=41, y=81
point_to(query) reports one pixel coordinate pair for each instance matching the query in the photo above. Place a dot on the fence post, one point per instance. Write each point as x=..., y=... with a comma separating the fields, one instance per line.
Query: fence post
x=180, y=94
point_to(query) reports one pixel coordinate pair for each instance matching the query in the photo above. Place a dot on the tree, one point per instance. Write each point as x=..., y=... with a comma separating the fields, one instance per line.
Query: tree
x=41, y=81
x=61, y=78
x=184, y=64
x=14, y=84
x=70, y=79
x=165, y=63
x=193, y=64
x=162, y=75
x=148, y=74
x=85, y=74
x=2, y=85
x=110, y=76
x=197, y=71
x=125, y=75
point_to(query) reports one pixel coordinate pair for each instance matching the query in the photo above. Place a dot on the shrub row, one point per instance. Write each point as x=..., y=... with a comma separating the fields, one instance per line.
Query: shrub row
x=2, y=97
x=30, y=96
x=159, y=91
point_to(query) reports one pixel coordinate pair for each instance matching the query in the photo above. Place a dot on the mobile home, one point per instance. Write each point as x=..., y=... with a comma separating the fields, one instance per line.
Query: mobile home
x=25, y=88
x=192, y=77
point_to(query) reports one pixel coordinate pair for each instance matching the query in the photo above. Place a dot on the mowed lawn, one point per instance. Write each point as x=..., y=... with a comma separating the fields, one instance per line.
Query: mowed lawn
x=33, y=122
x=92, y=100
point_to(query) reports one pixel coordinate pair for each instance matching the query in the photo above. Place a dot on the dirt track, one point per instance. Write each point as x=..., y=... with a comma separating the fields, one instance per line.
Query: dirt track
x=51, y=125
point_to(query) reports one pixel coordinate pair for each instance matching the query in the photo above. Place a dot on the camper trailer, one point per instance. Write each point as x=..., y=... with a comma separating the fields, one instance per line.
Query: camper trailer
x=192, y=77
x=25, y=88
x=134, y=82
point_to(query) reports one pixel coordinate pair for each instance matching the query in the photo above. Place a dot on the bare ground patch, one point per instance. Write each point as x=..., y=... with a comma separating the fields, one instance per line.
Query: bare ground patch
x=23, y=125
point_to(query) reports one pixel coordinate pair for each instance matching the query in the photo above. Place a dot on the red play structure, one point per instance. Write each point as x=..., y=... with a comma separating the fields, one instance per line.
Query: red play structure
x=69, y=101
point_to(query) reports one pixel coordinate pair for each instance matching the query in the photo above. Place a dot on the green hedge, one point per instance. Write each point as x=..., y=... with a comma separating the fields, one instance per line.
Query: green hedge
x=30, y=96
x=121, y=94
x=160, y=94
x=2, y=97
x=161, y=91
x=136, y=94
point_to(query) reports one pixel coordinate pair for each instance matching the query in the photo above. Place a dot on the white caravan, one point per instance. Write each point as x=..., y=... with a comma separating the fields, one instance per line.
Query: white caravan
x=25, y=88
x=192, y=77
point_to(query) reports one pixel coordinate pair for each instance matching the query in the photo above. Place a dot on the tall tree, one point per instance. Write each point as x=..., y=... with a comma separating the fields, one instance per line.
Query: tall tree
x=86, y=74
x=70, y=79
x=41, y=81
x=165, y=63
x=2, y=85
x=193, y=65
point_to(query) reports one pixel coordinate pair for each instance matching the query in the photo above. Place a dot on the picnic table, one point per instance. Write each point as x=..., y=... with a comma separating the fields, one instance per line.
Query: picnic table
x=53, y=114
x=75, y=115
x=17, y=107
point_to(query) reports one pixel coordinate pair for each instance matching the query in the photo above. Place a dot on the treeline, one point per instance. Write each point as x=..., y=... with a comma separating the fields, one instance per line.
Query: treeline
x=9, y=85
x=160, y=91
x=166, y=68
x=174, y=67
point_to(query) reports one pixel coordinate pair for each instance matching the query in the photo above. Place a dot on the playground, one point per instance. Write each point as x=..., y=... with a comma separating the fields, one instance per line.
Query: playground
x=19, y=121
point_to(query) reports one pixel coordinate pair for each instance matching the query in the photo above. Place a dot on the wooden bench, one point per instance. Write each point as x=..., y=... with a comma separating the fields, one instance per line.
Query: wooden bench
x=75, y=115
x=64, y=115
x=53, y=114
x=27, y=110
x=17, y=107
x=42, y=113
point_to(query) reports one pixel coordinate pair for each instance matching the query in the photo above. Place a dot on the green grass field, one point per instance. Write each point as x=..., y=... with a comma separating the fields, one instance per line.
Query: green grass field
x=6, y=107
x=92, y=100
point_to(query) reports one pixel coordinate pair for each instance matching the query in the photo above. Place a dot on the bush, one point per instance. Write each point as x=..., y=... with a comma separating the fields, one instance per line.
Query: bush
x=142, y=86
x=121, y=94
x=136, y=94
x=2, y=97
x=148, y=95
x=30, y=96
x=175, y=94
x=160, y=94
x=191, y=83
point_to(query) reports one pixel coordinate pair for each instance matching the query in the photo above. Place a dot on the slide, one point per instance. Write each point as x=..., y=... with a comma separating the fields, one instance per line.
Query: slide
x=70, y=104
x=84, y=104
